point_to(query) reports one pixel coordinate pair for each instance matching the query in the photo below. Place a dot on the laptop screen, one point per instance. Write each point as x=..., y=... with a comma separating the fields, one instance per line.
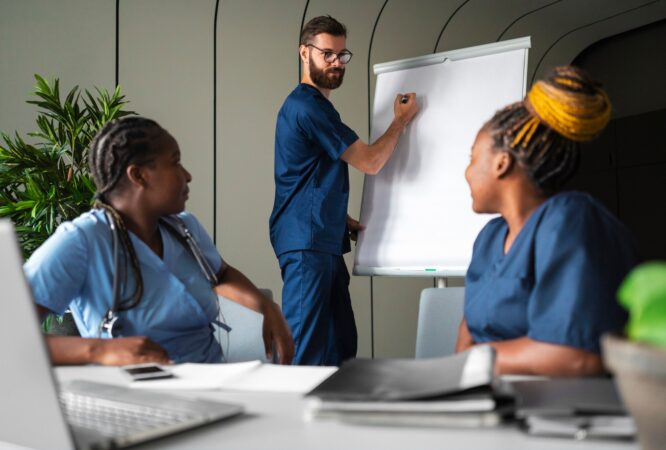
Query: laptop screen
x=30, y=412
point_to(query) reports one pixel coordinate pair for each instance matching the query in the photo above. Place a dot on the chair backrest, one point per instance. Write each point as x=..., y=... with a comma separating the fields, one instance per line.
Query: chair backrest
x=440, y=313
x=245, y=341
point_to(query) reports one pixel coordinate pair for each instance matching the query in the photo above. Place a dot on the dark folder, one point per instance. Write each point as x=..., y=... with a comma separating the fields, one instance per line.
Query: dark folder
x=409, y=379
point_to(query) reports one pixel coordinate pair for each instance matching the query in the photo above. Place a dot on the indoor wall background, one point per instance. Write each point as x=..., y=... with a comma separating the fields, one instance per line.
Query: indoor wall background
x=215, y=72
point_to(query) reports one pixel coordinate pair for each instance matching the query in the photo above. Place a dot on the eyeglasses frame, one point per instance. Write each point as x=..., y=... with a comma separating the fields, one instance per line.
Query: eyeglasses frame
x=336, y=55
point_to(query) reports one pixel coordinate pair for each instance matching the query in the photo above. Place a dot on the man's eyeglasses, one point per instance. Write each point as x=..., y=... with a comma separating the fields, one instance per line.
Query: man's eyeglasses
x=344, y=56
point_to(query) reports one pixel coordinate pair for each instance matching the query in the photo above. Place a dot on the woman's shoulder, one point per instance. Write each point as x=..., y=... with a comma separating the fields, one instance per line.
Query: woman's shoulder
x=579, y=215
x=574, y=200
x=573, y=207
x=88, y=223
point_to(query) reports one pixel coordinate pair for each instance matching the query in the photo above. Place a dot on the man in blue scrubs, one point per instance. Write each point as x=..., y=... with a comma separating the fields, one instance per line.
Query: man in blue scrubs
x=309, y=225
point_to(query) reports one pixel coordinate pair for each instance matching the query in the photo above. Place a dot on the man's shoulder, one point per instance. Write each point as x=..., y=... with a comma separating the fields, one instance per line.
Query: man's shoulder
x=304, y=99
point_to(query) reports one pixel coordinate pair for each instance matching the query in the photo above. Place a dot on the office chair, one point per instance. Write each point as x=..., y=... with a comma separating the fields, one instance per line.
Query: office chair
x=245, y=341
x=440, y=313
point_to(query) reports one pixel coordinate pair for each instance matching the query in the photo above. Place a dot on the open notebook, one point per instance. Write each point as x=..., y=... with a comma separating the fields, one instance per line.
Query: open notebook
x=37, y=413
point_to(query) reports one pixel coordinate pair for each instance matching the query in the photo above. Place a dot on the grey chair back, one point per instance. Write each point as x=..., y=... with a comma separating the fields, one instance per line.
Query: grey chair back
x=440, y=313
x=245, y=340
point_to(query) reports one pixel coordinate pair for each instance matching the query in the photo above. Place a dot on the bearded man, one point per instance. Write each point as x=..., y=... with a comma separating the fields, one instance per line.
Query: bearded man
x=309, y=225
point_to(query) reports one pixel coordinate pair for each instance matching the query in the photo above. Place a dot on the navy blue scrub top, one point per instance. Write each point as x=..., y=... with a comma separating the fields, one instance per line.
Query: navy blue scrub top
x=311, y=181
x=558, y=282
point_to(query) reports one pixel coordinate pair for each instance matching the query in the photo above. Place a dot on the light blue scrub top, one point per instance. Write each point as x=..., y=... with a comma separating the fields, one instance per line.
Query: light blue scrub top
x=74, y=269
x=558, y=282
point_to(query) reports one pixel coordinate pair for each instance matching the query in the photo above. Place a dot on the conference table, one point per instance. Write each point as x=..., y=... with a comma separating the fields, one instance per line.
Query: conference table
x=276, y=421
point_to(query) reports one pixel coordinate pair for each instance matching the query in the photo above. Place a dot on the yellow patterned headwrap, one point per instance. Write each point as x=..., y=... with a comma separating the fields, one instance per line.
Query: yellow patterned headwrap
x=562, y=104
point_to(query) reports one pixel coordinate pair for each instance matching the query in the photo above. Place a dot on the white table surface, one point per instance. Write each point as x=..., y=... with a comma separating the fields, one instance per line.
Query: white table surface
x=275, y=421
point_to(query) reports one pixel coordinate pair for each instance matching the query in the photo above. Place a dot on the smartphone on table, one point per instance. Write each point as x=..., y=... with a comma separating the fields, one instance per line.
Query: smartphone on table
x=145, y=372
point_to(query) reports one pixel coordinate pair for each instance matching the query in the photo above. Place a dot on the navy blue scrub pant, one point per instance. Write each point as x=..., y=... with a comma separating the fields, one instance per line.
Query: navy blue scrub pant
x=317, y=306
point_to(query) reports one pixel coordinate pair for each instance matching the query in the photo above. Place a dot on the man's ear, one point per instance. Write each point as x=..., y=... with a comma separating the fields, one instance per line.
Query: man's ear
x=135, y=175
x=304, y=53
x=503, y=162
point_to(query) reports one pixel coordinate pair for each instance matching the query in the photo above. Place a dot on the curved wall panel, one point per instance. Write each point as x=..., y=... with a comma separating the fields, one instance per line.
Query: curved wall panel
x=257, y=46
x=166, y=70
x=479, y=22
x=573, y=41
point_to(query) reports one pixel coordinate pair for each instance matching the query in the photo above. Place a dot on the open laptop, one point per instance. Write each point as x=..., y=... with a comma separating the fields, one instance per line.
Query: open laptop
x=36, y=412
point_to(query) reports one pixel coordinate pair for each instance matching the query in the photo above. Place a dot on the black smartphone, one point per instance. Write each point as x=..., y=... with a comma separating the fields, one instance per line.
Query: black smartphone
x=144, y=372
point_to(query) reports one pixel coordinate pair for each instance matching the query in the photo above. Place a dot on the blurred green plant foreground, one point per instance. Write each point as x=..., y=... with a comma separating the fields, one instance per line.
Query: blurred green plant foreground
x=643, y=293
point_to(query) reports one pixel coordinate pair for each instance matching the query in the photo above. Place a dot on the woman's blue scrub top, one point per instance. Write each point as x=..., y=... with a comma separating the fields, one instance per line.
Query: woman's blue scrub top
x=558, y=281
x=74, y=269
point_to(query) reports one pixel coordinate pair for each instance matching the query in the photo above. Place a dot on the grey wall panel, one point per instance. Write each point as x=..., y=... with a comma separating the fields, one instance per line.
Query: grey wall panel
x=480, y=22
x=629, y=70
x=73, y=40
x=351, y=101
x=547, y=27
x=258, y=49
x=166, y=70
x=570, y=45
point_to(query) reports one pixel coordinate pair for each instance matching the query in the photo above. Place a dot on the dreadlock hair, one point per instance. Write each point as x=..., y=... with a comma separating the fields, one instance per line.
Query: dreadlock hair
x=121, y=142
x=543, y=131
x=321, y=24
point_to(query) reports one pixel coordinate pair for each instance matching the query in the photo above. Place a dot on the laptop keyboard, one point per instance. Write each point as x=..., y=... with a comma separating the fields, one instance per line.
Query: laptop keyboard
x=115, y=418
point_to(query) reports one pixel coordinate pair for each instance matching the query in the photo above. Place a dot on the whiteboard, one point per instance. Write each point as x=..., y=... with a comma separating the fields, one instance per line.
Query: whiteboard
x=418, y=210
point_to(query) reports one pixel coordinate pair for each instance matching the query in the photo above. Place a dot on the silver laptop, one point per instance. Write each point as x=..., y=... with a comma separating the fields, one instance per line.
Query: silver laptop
x=37, y=413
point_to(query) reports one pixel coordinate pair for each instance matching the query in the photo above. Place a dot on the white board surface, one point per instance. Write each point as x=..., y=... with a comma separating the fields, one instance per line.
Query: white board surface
x=418, y=210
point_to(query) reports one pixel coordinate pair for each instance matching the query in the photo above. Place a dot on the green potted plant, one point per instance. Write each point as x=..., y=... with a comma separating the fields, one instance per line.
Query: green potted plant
x=44, y=179
x=639, y=361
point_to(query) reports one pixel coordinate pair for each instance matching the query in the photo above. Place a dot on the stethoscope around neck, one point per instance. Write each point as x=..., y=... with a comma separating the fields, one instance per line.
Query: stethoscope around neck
x=176, y=226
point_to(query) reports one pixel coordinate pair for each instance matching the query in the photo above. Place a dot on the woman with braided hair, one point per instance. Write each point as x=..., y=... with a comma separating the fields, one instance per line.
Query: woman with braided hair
x=541, y=285
x=137, y=267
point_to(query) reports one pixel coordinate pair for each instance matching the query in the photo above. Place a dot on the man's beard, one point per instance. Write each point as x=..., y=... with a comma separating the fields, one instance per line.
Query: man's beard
x=321, y=79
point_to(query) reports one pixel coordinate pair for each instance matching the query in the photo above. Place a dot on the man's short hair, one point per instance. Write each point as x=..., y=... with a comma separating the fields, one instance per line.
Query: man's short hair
x=321, y=24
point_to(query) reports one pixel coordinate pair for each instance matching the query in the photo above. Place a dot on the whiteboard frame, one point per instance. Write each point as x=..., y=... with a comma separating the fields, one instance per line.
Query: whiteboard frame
x=426, y=60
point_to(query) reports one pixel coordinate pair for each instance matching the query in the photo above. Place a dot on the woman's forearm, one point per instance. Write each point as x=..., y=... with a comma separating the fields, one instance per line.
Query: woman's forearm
x=65, y=350
x=529, y=357
x=237, y=287
x=68, y=350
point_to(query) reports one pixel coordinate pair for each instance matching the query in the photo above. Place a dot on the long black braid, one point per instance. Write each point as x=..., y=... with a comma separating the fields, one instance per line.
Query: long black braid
x=129, y=140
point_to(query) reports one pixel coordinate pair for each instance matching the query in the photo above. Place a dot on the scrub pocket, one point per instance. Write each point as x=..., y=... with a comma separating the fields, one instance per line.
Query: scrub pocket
x=329, y=216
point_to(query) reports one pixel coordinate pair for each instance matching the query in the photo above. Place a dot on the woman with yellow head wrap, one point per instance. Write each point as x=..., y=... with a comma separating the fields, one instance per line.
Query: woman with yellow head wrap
x=541, y=284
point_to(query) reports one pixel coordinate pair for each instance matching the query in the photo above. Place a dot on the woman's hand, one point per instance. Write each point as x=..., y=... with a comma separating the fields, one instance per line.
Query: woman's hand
x=276, y=334
x=128, y=350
